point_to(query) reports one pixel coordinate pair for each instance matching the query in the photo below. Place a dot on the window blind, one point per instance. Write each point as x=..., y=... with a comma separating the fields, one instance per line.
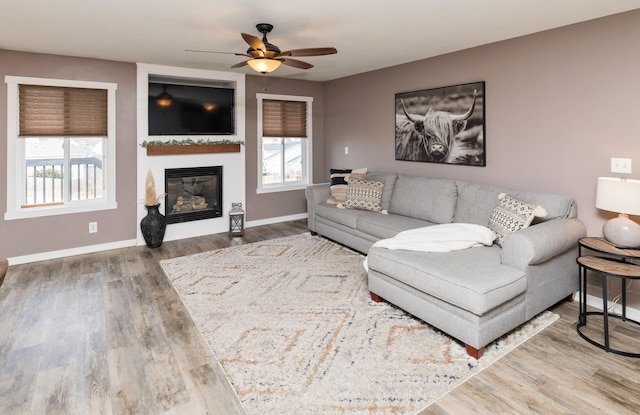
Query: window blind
x=61, y=111
x=284, y=118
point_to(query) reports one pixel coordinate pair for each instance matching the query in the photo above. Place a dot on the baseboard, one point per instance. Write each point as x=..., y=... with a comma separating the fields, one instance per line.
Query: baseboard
x=70, y=252
x=43, y=256
x=279, y=219
x=614, y=308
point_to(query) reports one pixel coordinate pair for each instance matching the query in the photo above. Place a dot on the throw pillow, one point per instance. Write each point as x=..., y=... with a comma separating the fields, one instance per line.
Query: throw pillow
x=511, y=215
x=363, y=194
x=389, y=180
x=338, y=183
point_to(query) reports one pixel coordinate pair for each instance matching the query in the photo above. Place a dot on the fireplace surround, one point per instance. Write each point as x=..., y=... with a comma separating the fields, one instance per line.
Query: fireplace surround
x=234, y=166
x=193, y=193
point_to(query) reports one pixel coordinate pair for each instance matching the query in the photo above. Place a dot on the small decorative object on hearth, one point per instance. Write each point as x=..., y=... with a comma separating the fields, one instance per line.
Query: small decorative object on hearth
x=236, y=220
x=622, y=196
x=154, y=224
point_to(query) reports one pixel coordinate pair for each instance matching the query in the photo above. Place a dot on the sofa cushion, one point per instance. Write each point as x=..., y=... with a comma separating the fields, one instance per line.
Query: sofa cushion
x=556, y=206
x=338, y=183
x=512, y=214
x=433, y=200
x=473, y=279
x=363, y=194
x=389, y=183
x=346, y=217
x=383, y=227
x=475, y=202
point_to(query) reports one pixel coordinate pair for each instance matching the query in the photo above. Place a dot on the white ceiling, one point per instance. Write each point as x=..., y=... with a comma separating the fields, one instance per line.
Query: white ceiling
x=369, y=34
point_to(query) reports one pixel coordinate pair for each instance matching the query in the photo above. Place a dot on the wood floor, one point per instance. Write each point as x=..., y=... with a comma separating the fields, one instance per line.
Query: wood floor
x=555, y=372
x=105, y=333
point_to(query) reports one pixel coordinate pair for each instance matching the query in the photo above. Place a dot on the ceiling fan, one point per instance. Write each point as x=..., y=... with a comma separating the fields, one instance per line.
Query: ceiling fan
x=266, y=57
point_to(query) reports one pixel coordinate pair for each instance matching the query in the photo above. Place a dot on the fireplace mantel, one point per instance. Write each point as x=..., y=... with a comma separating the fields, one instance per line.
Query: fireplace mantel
x=163, y=150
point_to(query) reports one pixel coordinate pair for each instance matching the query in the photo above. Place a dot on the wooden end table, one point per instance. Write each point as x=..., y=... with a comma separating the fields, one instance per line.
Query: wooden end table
x=613, y=265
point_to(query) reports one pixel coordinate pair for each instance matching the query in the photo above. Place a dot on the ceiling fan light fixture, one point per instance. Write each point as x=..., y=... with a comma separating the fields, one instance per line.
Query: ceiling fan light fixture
x=264, y=65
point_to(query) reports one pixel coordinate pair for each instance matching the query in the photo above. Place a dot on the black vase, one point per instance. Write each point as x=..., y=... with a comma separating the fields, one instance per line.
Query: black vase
x=153, y=226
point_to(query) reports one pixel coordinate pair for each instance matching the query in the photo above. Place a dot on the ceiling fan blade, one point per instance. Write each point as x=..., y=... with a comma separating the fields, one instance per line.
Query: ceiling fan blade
x=310, y=52
x=212, y=51
x=254, y=42
x=296, y=63
x=240, y=65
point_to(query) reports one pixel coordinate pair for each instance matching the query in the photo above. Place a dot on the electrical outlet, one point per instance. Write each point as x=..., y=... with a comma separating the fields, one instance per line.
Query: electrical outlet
x=93, y=227
x=346, y=150
x=619, y=165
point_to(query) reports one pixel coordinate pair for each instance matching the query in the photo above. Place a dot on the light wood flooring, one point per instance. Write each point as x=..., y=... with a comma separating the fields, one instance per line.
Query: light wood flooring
x=105, y=333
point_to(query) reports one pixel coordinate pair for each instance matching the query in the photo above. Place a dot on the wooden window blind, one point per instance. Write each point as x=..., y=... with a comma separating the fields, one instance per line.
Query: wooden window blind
x=284, y=118
x=47, y=111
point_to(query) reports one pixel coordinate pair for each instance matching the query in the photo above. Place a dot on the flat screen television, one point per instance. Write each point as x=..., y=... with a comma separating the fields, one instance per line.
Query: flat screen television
x=190, y=110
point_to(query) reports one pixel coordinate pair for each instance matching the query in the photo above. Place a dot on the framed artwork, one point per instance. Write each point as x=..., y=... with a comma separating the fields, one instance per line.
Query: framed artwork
x=442, y=125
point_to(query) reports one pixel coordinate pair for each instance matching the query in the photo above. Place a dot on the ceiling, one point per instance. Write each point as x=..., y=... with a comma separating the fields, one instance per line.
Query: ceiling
x=368, y=34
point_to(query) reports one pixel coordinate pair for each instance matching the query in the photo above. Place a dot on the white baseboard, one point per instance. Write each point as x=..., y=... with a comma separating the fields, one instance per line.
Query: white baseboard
x=70, y=252
x=43, y=256
x=614, y=308
x=279, y=219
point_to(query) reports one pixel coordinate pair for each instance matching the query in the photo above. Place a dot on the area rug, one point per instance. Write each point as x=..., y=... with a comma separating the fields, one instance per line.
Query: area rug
x=292, y=323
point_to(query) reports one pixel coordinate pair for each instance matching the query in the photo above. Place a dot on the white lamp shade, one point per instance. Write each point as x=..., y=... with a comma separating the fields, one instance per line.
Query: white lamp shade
x=618, y=195
x=264, y=65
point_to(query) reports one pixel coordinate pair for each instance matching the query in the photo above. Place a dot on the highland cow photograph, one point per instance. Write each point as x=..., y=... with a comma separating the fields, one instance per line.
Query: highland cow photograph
x=442, y=125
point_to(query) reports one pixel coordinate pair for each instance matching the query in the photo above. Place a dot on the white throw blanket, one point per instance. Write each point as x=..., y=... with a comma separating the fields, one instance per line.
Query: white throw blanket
x=439, y=238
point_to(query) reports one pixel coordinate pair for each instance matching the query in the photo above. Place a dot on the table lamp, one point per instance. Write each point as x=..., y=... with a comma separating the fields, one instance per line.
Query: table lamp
x=622, y=196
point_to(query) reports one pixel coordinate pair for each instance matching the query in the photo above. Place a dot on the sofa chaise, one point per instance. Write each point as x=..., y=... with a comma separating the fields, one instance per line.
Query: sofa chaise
x=474, y=295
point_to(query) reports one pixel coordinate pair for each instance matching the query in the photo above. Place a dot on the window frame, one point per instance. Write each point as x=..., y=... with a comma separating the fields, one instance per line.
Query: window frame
x=307, y=148
x=16, y=153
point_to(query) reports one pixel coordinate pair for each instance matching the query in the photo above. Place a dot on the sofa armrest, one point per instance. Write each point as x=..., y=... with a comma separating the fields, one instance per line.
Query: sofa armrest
x=315, y=194
x=541, y=242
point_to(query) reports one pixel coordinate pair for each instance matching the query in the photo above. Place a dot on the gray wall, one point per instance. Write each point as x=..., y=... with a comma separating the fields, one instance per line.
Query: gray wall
x=559, y=105
x=37, y=235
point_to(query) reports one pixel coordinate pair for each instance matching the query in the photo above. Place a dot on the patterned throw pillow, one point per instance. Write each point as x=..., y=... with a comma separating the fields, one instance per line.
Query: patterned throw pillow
x=364, y=194
x=511, y=215
x=338, y=183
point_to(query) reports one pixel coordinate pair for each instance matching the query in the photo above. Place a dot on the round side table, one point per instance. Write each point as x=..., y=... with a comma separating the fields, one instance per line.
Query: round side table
x=612, y=266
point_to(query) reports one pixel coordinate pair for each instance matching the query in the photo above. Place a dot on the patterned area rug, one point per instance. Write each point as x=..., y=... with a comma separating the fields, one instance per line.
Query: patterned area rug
x=292, y=323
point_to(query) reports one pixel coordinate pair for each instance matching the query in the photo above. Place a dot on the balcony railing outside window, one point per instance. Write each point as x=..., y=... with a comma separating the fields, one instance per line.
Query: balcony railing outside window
x=45, y=180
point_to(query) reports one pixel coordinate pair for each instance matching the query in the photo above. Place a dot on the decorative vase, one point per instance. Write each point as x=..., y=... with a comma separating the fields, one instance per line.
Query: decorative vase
x=153, y=226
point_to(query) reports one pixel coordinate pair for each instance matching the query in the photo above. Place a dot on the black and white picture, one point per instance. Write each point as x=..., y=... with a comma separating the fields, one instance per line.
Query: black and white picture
x=442, y=125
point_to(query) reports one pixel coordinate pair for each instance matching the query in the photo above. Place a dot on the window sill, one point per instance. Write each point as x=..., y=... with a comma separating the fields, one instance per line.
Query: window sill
x=276, y=189
x=38, y=212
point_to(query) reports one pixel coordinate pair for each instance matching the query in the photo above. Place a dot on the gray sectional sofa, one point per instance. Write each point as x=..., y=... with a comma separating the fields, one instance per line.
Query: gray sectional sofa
x=475, y=295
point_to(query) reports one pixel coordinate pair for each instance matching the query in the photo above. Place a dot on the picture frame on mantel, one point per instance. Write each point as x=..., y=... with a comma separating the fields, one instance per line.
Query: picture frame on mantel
x=442, y=125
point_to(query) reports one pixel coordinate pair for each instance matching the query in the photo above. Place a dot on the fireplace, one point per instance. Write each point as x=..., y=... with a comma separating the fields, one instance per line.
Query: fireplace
x=193, y=193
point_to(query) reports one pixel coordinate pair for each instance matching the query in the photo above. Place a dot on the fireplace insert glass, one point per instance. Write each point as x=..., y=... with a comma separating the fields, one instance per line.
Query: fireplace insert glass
x=193, y=193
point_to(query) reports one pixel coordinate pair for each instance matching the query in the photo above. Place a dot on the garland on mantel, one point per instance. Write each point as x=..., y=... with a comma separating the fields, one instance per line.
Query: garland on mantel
x=189, y=142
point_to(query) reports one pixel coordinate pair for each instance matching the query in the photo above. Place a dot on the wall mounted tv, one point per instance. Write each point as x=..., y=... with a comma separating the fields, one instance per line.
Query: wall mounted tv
x=190, y=109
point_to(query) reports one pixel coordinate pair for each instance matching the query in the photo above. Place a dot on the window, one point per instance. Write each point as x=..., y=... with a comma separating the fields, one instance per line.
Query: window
x=284, y=148
x=61, y=146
